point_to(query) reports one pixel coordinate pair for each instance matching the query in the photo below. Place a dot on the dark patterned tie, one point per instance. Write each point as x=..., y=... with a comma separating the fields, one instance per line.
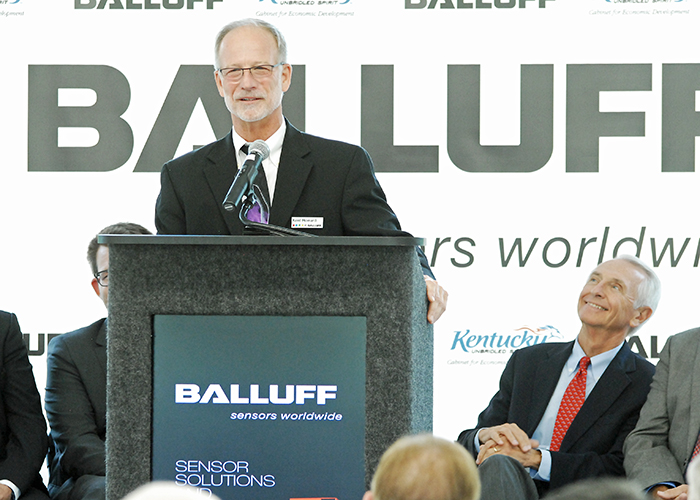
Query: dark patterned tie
x=257, y=213
x=261, y=179
x=571, y=403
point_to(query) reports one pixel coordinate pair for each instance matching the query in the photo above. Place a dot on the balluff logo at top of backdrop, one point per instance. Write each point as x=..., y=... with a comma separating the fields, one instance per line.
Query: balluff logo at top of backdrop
x=476, y=4
x=645, y=1
x=145, y=4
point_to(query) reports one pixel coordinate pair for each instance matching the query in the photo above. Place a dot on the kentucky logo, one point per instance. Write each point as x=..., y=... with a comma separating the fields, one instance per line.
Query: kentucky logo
x=491, y=343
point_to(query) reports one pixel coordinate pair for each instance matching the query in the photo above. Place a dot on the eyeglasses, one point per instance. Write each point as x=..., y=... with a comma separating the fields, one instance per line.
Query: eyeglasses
x=102, y=277
x=258, y=72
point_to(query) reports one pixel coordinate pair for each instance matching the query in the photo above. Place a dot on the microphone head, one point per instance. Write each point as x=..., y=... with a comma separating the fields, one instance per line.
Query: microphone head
x=259, y=147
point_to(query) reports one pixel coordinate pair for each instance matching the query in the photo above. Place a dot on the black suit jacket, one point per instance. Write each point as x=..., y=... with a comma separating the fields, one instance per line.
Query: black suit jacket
x=593, y=444
x=76, y=405
x=23, y=440
x=316, y=178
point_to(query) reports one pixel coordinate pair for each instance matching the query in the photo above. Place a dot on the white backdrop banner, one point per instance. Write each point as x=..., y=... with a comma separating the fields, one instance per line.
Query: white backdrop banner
x=526, y=140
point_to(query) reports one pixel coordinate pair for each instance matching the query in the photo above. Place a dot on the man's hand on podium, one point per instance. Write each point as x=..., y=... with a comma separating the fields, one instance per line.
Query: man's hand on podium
x=437, y=297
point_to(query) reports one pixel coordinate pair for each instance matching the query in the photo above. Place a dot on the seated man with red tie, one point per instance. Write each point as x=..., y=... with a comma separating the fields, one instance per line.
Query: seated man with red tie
x=563, y=410
x=667, y=436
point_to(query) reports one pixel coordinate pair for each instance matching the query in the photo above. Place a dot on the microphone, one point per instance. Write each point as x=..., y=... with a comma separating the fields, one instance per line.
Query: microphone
x=243, y=183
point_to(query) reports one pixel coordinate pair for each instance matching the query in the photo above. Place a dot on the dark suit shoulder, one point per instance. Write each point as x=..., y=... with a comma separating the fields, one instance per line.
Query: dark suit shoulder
x=527, y=363
x=214, y=149
x=6, y=319
x=632, y=362
x=543, y=350
x=299, y=143
x=645, y=367
x=629, y=360
x=315, y=140
x=81, y=336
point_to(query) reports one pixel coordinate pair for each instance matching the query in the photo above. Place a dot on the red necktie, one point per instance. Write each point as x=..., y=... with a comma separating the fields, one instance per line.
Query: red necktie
x=571, y=403
x=696, y=450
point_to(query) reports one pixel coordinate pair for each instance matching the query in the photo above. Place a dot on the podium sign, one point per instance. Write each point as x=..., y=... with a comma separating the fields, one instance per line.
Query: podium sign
x=224, y=319
x=260, y=407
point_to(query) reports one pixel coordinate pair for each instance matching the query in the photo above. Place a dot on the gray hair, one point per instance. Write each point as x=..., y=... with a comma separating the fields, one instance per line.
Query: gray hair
x=258, y=23
x=648, y=291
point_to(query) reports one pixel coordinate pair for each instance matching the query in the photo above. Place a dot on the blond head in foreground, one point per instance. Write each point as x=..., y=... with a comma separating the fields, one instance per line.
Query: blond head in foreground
x=424, y=467
x=166, y=490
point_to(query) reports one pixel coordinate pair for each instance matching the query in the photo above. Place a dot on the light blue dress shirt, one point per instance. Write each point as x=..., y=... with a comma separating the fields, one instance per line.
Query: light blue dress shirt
x=545, y=429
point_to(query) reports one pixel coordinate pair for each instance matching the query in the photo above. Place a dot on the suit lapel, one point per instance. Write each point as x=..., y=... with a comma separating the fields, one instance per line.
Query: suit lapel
x=293, y=171
x=220, y=170
x=101, y=347
x=694, y=424
x=604, y=395
x=546, y=378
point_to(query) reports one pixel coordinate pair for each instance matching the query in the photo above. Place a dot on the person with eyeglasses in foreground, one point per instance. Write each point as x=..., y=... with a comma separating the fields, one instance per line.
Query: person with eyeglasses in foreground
x=329, y=184
x=23, y=440
x=76, y=392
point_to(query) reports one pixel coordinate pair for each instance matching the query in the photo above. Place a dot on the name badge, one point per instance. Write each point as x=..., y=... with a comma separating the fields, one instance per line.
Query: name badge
x=307, y=222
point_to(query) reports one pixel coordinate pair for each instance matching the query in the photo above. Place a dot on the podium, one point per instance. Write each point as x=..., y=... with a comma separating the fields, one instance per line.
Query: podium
x=232, y=287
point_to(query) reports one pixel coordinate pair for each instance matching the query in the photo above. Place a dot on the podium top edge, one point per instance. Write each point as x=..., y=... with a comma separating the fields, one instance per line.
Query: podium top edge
x=139, y=239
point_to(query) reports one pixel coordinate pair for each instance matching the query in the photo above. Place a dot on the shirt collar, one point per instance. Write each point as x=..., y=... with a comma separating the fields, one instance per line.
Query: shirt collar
x=598, y=363
x=274, y=142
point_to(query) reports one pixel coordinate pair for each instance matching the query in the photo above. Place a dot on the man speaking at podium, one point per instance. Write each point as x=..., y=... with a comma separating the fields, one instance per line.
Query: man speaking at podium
x=327, y=187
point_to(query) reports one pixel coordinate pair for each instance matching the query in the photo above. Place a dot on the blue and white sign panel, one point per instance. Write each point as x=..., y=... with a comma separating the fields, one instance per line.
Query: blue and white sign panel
x=260, y=407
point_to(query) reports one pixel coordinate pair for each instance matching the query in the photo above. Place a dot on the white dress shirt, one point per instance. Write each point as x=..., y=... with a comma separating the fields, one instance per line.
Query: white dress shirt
x=271, y=164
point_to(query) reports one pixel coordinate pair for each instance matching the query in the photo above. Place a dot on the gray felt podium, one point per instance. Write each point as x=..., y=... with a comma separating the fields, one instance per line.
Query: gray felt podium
x=263, y=367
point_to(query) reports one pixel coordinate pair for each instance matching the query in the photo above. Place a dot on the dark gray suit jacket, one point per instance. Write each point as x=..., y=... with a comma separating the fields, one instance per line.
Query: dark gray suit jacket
x=659, y=448
x=23, y=440
x=76, y=405
x=316, y=178
x=593, y=444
